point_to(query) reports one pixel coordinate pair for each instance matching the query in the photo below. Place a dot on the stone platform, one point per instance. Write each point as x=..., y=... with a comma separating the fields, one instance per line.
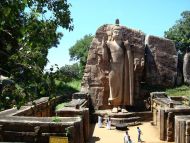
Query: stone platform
x=128, y=119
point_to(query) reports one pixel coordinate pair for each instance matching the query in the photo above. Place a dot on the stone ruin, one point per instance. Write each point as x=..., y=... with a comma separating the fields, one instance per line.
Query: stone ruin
x=171, y=116
x=37, y=123
x=186, y=67
x=153, y=61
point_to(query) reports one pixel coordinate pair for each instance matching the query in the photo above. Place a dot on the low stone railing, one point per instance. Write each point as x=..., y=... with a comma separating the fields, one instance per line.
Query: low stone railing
x=27, y=124
x=77, y=107
x=164, y=110
x=182, y=129
x=34, y=129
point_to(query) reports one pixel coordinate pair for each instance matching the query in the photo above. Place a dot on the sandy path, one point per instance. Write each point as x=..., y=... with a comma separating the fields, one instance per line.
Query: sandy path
x=102, y=135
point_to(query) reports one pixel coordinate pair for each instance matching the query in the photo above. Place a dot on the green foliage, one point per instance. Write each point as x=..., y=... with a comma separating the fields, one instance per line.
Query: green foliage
x=60, y=106
x=183, y=90
x=11, y=93
x=67, y=88
x=28, y=29
x=69, y=72
x=76, y=84
x=80, y=51
x=68, y=131
x=180, y=32
x=56, y=119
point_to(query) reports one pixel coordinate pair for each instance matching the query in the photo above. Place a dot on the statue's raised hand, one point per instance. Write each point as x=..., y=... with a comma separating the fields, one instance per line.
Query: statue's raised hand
x=126, y=43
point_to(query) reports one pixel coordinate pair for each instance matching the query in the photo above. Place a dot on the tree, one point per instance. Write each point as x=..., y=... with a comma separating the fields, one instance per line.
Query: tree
x=69, y=72
x=28, y=29
x=80, y=51
x=180, y=32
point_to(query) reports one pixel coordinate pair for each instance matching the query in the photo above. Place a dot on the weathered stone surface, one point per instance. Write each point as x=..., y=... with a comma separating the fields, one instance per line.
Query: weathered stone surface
x=171, y=121
x=14, y=126
x=161, y=61
x=96, y=74
x=186, y=68
x=83, y=112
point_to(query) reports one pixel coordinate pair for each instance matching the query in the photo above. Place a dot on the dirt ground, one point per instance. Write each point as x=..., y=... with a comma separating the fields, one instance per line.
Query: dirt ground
x=150, y=134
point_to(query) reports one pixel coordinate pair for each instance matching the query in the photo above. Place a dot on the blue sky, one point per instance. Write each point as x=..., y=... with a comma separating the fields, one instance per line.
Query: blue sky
x=153, y=17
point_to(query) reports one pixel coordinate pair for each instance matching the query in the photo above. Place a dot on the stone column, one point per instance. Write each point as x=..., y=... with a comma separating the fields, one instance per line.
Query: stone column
x=37, y=134
x=86, y=123
x=187, y=132
x=1, y=133
x=181, y=132
x=131, y=74
x=170, y=127
x=177, y=129
x=162, y=125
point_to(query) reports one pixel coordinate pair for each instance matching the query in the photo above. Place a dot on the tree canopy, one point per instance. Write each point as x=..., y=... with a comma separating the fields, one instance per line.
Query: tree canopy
x=80, y=51
x=180, y=32
x=28, y=29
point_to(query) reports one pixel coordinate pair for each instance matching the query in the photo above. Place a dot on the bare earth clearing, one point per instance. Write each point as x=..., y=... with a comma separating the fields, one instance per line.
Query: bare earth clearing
x=103, y=135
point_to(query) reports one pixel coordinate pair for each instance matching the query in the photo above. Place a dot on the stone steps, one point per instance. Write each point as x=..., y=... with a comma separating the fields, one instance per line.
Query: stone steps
x=115, y=121
x=125, y=119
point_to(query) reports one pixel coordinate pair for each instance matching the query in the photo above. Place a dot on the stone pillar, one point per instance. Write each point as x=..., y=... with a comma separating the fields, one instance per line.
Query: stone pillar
x=86, y=124
x=187, y=132
x=170, y=127
x=177, y=130
x=162, y=125
x=131, y=74
x=1, y=133
x=182, y=131
x=37, y=134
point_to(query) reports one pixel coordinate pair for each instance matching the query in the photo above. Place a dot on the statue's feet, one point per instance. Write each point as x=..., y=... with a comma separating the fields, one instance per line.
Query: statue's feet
x=123, y=110
x=119, y=108
x=114, y=110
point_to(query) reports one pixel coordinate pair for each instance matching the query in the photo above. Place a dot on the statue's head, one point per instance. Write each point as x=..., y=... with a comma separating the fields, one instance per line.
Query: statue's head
x=117, y=33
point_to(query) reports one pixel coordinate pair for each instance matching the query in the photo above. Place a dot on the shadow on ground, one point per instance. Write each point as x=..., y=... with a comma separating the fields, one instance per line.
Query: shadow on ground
x=93, y=139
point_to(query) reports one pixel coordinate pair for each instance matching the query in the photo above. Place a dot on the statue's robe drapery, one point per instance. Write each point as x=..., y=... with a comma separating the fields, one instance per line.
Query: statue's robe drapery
x=119, y=79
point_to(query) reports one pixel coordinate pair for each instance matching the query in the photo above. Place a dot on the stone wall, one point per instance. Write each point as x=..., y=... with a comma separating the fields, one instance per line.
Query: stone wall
x=182, y=129
x=83, y=113
x=33, y=129
x=186, y=68
x=161, y=61
x=164, y=111
x=27, y=124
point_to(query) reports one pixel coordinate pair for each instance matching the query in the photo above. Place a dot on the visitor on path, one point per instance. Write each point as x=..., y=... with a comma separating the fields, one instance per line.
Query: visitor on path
x=108, y=126
x=126, y=137
x=139, y=134
x=129, y=140
x=99, y=121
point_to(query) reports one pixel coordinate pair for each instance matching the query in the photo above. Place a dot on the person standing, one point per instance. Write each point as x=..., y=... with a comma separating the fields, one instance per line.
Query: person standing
x=139, y=134
x=126, y=137
x=129, y=140
x=108, y=126
x=99, y=121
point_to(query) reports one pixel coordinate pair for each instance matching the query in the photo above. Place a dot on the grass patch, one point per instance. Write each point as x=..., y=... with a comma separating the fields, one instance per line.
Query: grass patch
x=76, y=84
x=60, y=106
x=183, y=90
x=56, y=119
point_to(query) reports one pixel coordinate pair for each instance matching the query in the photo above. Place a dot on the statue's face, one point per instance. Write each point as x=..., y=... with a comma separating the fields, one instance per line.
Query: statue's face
x=117, y=35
